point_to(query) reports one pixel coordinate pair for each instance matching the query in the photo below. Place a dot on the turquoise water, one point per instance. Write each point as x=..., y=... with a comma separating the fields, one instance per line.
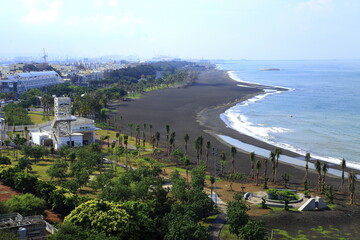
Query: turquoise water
x=319, y=114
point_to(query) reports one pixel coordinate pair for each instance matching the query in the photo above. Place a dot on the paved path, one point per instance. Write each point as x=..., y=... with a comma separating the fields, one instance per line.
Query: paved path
x=220, y=220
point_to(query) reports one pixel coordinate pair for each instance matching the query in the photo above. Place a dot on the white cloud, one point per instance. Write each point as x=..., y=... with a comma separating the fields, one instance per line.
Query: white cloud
x=41, y=11
x=316, y=6
x=113, y=3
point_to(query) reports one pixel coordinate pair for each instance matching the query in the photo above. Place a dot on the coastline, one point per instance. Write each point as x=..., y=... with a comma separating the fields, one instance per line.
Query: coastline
x=196, y=110
x=289, y=156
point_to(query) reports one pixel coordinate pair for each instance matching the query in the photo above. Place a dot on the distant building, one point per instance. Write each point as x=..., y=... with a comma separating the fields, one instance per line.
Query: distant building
x=21, y=82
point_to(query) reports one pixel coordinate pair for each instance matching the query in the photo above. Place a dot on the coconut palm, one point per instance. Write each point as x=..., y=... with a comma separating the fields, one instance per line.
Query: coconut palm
x=167, y=127
x=222, y=162
x=351, y=181
x=130, y=125
x=186, y=139
x=252, y=162
x=233, y=153
x=212, y=181
x=257, y=167
x=137, y=138
x=343, y=166
x=273, y=164
x=318, y=169
x=126, y=150
x=150, y=128
x=197, y=148
x=307, y=159
x=157, y=137
x=208, y=146
x=325, y=169
x=265, y=161
x=278, y=151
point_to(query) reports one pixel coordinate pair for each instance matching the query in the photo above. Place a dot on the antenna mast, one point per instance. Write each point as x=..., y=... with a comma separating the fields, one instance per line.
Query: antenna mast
x=45, y=55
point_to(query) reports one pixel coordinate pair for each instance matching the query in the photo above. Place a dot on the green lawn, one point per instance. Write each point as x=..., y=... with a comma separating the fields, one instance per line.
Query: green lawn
x=37, y=119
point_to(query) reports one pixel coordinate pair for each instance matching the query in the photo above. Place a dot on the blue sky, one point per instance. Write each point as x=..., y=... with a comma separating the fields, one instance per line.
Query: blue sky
x=227, y=29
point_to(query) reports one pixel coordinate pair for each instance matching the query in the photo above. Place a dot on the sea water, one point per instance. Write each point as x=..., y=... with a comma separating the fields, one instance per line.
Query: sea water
x=319, y=113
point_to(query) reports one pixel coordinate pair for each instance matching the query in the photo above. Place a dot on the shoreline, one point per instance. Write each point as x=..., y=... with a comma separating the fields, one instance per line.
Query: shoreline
x=293, y=157
x=196, y=110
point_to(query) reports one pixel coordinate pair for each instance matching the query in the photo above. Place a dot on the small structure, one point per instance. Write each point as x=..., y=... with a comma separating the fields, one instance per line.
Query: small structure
x=313, y=204
x=30, y=227
x=65, y=129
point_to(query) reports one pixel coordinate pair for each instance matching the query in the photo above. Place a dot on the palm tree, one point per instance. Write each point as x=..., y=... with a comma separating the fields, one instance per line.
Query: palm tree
x=208, y=146
x=307, y=159
x=186, y=139
x=325, y=169
x=197, y=148
x=117, y=137
x=137, y=138
x=343, y=166
x=273, y=164
x=150, y=128
x=252, y=162
x=222, y=162
x=318, y=169
x=351, y=181
x=130, y=125
x=265, y=160
x=278, y=151
x=157, y=137
x=201, y=143
x=144, y=132
x=257, y=166
x=126, y=150
x=233, y=153
x=167, y=127
x=172, y=140
x=212, y=181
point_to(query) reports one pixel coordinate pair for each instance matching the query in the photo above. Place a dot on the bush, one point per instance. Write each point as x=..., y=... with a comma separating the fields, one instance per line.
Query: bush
x=26, y=204
x=253, y=230
x=5, y=160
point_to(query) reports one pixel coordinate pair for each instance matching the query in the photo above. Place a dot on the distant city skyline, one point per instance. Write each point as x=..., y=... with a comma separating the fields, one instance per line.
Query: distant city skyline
x=209, y=29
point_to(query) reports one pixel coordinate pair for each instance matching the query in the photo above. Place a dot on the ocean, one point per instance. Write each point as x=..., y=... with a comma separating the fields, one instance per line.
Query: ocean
x=319, y=113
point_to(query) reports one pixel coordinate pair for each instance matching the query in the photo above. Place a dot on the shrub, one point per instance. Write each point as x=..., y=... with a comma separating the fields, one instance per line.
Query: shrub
x=26, y=204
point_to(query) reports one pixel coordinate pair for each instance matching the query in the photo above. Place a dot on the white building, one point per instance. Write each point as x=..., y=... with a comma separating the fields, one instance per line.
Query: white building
x=65, y=129
x=21, y=82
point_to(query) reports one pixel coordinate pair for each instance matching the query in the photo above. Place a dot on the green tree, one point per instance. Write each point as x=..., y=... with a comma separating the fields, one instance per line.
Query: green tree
x=25, y=163
x=5, y=160
x=100, y=216
x=212, y=181
x=58, y=169
x=325, y=169
x=253, y=230
x=186, y=139
x=68, y=231
x=26, y=204
x=278, y=152
x=285, y=177
x=183, y=227
x=237, y=216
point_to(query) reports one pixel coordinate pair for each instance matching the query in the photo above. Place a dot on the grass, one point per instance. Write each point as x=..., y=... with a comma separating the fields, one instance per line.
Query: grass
x=319, y=233
x=37, y=119
x=225, y=233
x=206, y=222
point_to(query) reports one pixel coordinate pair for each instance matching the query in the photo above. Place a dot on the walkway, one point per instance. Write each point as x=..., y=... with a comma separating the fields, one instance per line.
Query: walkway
x=220, y=220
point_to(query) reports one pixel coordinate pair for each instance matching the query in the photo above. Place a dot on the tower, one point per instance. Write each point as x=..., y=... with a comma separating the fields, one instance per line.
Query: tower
x=61, y=125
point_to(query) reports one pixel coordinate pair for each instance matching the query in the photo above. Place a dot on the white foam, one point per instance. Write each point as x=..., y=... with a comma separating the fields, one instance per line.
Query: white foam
x=233, y=119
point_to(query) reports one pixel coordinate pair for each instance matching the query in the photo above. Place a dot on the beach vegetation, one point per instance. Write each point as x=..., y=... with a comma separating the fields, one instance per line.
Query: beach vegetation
x=257, y=168
x=252, y=165
x=233, y=152
x=351, y=186
x=307, y=159
x=343, y=167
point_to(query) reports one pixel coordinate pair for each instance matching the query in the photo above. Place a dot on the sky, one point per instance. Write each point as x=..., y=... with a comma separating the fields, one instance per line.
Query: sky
x=209, y=29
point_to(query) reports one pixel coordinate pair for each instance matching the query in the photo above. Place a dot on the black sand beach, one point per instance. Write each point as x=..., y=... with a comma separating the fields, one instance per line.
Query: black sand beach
x=195, y=110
